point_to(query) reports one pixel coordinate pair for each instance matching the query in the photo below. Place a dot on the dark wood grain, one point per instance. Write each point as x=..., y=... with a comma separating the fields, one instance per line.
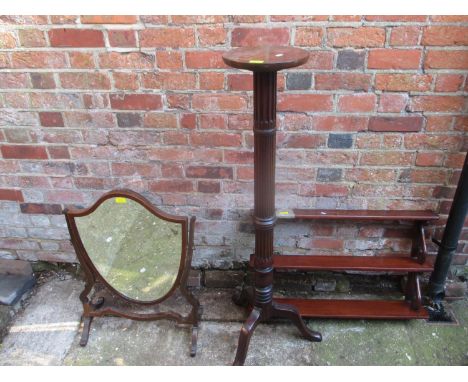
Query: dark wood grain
x=392, y=263
x=372, y=215
x=355, y=309
x=266, y=58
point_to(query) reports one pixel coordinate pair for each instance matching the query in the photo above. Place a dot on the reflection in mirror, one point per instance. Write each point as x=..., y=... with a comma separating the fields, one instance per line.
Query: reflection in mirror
x=137, y=253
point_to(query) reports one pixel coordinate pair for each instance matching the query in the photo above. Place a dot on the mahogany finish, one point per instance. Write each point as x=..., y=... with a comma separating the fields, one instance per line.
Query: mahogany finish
x=368, y=215
x=265, y=62
x=99, y=298
x=352, y=263
x=356, y=309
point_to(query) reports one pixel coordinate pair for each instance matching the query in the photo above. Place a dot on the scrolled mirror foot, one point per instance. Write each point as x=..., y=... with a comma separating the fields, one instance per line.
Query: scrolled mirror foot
x=86, y=327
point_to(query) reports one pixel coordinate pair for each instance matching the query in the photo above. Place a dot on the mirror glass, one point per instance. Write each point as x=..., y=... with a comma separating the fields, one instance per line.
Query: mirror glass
x=136, y=252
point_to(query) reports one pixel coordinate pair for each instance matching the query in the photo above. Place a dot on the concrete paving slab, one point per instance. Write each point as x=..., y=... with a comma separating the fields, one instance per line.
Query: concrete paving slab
x=47, y=333
x=12, y=287
x=44, y=331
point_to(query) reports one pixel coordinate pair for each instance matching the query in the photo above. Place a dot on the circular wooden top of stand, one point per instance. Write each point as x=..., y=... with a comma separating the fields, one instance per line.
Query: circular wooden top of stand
x=266, y=58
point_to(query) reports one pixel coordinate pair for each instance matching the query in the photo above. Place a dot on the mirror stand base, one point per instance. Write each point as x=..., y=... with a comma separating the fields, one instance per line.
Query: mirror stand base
x=86, y=327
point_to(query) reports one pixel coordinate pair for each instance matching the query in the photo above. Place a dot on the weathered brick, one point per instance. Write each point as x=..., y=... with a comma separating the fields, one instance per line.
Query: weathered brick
x=130, y=60
x=242, y=36
x=445, y=35
x=308, y=141
x=85, y=80
x=308, y=36
x=76, y=38
x=7, y=40
x=403, y=82
x=392, y=102
x=167, y=37
x=319, y=59
x=160, y=120
x=208, y=187
x=215, y=139
x=41, y=208
x=351, y=59
x=14, y=80
x=216, y=102
x=434, y=103
x=122, y=38
x=42, y=80
x=129, y=120
x=446, y=59
x=305, y=102
x=240, y=81
x=108, y=19
x=209, y=172
x=136, y=101
x=431, y=159
x=211, y=81
x=383, y=158
x=356, y=37
x=299, y=81
x=448, y=82
x=23, y=152
x=51, y=119
x=329, y=174
x=36, y=59
x=357, y=103
x=32, y=38
x=348, y=81
x=169, y=59
x=172, y=185
x=394, y=59
x=11, y=194
x=204, y=59
x=340, y=141
x=339, y=123
x=405, y=36
x=397, y=18
x=211, y=36
x=125, y=81
x=396, y=124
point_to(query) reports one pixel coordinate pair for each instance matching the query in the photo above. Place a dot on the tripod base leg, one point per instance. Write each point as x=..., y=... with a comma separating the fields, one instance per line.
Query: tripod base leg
x=245, y=334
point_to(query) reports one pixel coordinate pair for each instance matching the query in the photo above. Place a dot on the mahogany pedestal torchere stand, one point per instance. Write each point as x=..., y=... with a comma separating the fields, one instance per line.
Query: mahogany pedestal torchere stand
x=265, y=62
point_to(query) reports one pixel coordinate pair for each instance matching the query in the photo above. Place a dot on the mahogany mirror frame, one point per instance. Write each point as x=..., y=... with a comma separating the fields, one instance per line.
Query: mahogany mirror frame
x=106, y=300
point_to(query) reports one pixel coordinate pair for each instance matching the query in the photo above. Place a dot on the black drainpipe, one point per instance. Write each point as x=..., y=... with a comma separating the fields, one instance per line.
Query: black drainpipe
x=449, y=242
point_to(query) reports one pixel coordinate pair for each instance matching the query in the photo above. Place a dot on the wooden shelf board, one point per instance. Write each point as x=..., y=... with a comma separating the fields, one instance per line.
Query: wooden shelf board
x=355, y=309
x=352, y=263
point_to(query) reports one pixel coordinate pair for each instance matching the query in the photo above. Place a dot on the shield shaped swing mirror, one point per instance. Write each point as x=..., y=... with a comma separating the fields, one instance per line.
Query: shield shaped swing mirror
x=136, y=260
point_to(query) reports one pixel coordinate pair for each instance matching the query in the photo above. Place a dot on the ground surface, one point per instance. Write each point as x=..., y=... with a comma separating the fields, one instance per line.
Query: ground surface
x=47, y=332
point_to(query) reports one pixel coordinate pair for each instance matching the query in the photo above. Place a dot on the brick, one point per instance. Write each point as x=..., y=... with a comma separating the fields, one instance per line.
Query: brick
x=108, y=19
x=461, y=123
x=122, y=38
x=14, y=80
x=403, y=82
x=209, y=172
x=210, y=36
x=455, y=160
x=351, y=59
x=434, y=103
x=178, y=81
x=308, y=141
x=329, y=174
x=213, y=121
x=198, y=19
x=84, y=80
x=448, y=82
x=218, y=102
x=339, y=123
x=318, y=189
x=216, y=139
x=167, y=37
x=394, y=59
x=129, y=120
x=446, y=59
x=64, y=19
x=11, y=194
x=132, y=169
x=396, y=124
x=41, y=208
x=211, y=81
x=429, y=159
x=287, y=18
x=136, y=101
x=154, y=19
x=397, y=18
x=51, y=119
x=299, y=81
x=242, y=81
x=32, y=38
x=204, y=59
x=445, y=35
x=405, y=36
x=41, y=60
x=450, y=19
x=81, y=60
x=76, y=38
x=160, y=120
x=241, y=36
x=173, y=185
x=130, y=60
x=362, y=37
x=356, y=103
x=308, y=36
x=370, y=175
x=319, y=59
x=169, y=59
x=431, y=141
x=42, y=80
x=427, y=176
x=392, y=103
x=125, y=80
x=178, y=101
x=386, y=158
x=347, y=81
x=305, y=102
x=24, y=152
x=208, y=187
x=58, y=152
x=7, y=40
x=188, y=120
x=340, y=141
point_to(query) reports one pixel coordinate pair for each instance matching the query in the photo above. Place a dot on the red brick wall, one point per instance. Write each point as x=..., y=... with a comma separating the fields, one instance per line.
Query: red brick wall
x=374, y=120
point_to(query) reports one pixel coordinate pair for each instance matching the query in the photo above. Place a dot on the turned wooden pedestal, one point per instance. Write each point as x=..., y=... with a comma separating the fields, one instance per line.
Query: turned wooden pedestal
x=265, y=62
